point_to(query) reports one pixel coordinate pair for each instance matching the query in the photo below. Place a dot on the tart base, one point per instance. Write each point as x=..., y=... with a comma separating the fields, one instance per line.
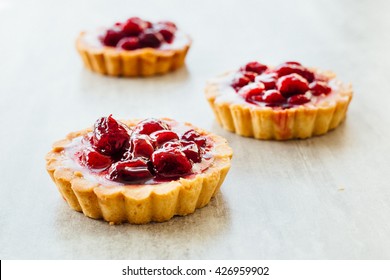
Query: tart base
x=138, y=63
x=143, y=203
x=279, y=124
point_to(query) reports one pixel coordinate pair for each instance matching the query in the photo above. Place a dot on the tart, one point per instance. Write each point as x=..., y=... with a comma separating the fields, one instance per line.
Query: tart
x=284, y=102
x=134, y=48
x=138, y=171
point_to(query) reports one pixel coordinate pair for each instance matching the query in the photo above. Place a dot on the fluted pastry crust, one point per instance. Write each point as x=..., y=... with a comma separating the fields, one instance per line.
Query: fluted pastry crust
x=137, y=63
x=298, y=122
x=138, y=204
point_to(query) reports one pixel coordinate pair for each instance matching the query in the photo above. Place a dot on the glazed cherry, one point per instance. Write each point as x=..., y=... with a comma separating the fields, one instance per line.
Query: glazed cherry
x=191, y=150
x=162, y=136
x=141, y=146
x=192, y=135
x=268, y=79
x=129, y=171
x=292, y=67
x=170, y=162
x=239, y=81
x=292, y=84
x=251, y=90
x=112, y=37
x=109, y=137
x=94, y=160
x=256, y=67
x=298, y=99
x=250, y=75
x=167, y=32
x=273, y=96
x=129, y=43
x=148, y=126
x=134, y=26
x=150, y=39
x=319, y=87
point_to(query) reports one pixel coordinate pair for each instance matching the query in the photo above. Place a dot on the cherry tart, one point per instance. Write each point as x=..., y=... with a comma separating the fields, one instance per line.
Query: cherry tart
x=138, y=171
x=133, y=48
x=284, y=102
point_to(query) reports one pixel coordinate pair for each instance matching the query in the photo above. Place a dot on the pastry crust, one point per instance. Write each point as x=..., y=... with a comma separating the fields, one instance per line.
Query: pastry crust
x=298, y=122
x=137, y=63
x=138, y=204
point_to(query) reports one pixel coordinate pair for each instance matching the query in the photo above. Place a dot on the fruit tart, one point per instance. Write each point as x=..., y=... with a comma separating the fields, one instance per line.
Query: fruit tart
x=138, y=171
x=135, y=47
x=284, y=102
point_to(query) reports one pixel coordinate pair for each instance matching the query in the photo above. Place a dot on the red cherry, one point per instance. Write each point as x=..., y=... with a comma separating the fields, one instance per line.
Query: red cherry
x=250, y=75
x=162, y=136
x=109, y=136
x=239, y=81
x=150, y=39
x=129, y=171
x=169, y=24
x=141, y=145
x=129, y=43
x=191, y=150
x=293, y=63
x=298, y=99
x=134, y=26
x=318, y=88
x=112, y=37
x=273, y=96
x=256, y=67
x=292, y=84
x=290, y=68
x=148, y=24
x=151, y=125
x=171, y=162
x=253, y=89
x=192, y=135
x=268, y=79
x=94, y=160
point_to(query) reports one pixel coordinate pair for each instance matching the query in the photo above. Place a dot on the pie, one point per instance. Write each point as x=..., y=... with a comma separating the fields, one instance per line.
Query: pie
x=138, y=171
x=283, y=102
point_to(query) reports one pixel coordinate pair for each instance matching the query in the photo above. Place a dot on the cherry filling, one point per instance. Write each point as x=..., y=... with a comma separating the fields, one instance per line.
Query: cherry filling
x=136, y=33
x=284, y=86
x=150, y=150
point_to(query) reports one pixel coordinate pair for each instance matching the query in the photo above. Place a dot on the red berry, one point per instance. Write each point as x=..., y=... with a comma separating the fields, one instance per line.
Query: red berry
x=256, y=67
x=112, y=37
x=292, y=84
x=148, y=24
x=191, y=150
x=239, y=81
x=318, y=88
x=94, y=160
x=248, y=91
x=250, y=75
x=129, y=171
x=141, y=145
x=298, y=99
x=168, y=24
x=269, y=80
x=150, y=39
x=134, y=26
x=290, y=68
x=192, y=135
x=109, y=136
x=129, y=43
x=162, y=136
x=273, y=96
x=167, y=32
x=171, y=162
x=292, y=63
x=148, y=126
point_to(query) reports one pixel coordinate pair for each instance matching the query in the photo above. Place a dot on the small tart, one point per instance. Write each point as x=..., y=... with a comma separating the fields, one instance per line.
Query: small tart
x=289, y=101
x=139, y=193
x=134, y=48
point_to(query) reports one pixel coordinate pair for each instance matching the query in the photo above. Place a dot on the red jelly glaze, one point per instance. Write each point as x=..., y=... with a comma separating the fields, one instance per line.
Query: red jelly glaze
x=283, y=86
x=130, y=170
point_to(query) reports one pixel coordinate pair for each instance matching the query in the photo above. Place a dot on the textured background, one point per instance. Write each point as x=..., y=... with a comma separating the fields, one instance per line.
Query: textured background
x=323, y=198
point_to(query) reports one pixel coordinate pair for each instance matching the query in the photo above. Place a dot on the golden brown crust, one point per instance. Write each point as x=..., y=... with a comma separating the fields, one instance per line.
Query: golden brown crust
x=138, y=204
x=298, y=122
x=138, y=63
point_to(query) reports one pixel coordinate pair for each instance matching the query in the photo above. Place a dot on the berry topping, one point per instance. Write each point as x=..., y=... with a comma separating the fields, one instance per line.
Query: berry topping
x=112, y=37
x=192, y=135
x=239, y=81
x=250, y=75
x=129, y=171
x=150, y=39
x=148, y=126
x=292, y=67
x=168, y=24
x=255, y=67
x=273, y=96
x=191, y=150
x=269, y=80
x=248, y=91
x=319, y=87
x=134, y=26
x=94, y=160
x=141, y=146
x=298, y=99
x=129, y=43
x=292, y=84
x=109, y=136
x=162, y=136
x=171, y=162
